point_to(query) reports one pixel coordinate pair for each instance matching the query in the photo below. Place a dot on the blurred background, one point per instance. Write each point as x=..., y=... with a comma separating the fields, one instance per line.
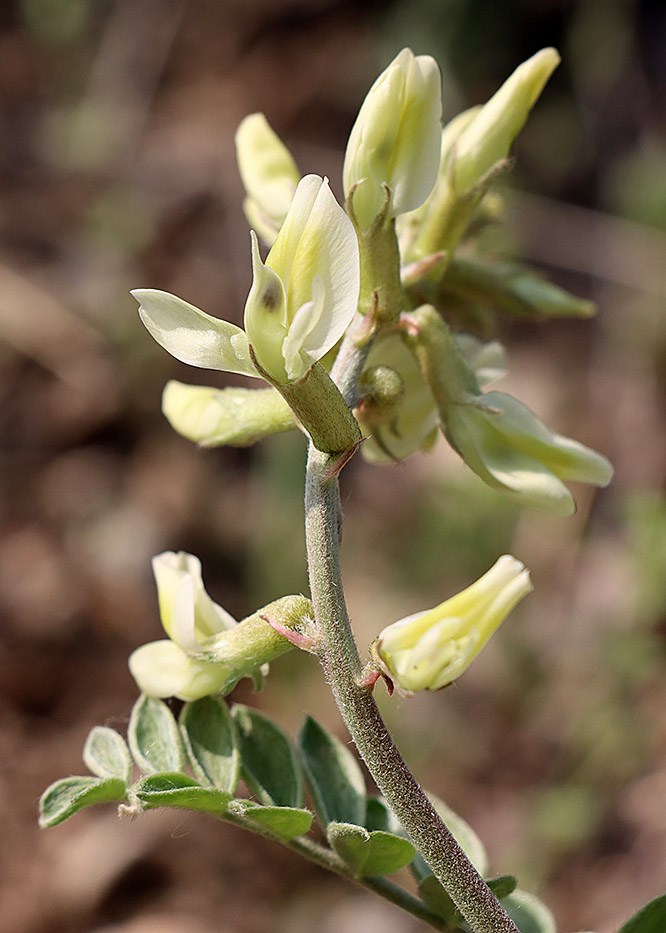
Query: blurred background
x=117, y=170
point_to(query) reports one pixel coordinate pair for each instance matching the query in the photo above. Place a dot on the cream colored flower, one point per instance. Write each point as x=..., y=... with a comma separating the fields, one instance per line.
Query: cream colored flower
x=487, y=138
x=302, y=299
x=429, y=650
x=269, y=174
x=207, y=650
x=395, y=140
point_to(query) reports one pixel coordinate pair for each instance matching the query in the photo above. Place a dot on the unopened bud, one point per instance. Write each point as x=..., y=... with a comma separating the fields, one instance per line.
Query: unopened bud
x=395, y=140
x=488, y=137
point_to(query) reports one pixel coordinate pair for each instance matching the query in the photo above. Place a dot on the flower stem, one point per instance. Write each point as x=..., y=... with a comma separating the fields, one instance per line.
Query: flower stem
x=341, y=663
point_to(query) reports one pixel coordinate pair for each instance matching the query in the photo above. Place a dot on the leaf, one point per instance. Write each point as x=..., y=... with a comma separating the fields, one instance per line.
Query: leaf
x=435, y=897
x=154, y=738
x=388, y=853
x=175, y=789
x=351, y=843
x=378, y=815
x=65, y=797
x=107, y=755
x=432, y=893
x=283, y=822
x=369, y=853
x=649, y=919
x=209, y=736
x=502, y=886
x=334, y=776
x=269, y=762
x=528, y=913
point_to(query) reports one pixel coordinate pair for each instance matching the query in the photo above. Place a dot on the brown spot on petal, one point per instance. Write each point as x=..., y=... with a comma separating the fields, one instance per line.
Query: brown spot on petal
x=270, y=298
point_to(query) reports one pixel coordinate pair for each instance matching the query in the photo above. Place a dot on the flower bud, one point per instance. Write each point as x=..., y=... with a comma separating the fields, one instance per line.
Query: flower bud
x=510, y=288
x=395, y=140
x=213, y=417
x=207, y=651
x=488, y=137
x=410, y=424
x=269, y=174
x=431, y=649
x=381, y=390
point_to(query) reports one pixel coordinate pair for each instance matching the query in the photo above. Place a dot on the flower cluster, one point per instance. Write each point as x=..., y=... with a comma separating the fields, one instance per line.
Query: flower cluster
x=384, y=273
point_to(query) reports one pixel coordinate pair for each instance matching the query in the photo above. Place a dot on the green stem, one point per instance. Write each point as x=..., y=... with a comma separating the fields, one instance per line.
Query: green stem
x=326, y=858
x=341, y=663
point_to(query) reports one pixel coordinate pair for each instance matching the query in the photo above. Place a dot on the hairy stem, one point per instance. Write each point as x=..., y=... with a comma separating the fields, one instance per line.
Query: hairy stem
x=341, y=663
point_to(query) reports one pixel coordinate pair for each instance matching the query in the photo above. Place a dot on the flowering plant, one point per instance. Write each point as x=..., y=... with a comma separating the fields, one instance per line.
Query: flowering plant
x=349, y=321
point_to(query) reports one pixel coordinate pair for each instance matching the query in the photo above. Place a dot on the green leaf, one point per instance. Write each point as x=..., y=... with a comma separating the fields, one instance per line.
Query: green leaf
x=269, y=764
x=502, y=886
x=154, y=738
x=285, y=823
x=334, y=776
x=107, y=755
x=210, y=740
x=175, y=789
x=435, y=897
x=433, y=894
x=528, y=913
x=378, y=815
x=369, y=853
x=351, y=843
x=63, y=798
x=649, y=919
x=388, y=853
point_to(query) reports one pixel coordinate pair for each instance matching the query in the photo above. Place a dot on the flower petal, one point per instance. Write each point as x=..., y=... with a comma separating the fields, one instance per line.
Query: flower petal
x=193, y=336
x=188, y=614
x=265, y=316
x=328, y=249
x=297, y=359
x=211, y=417
x=416, y=157
x=568, y=459
x=266, y=166
x=487, y=451
x=412, y=425
x=486, y=360
x=162, y=669
x=282, y=253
